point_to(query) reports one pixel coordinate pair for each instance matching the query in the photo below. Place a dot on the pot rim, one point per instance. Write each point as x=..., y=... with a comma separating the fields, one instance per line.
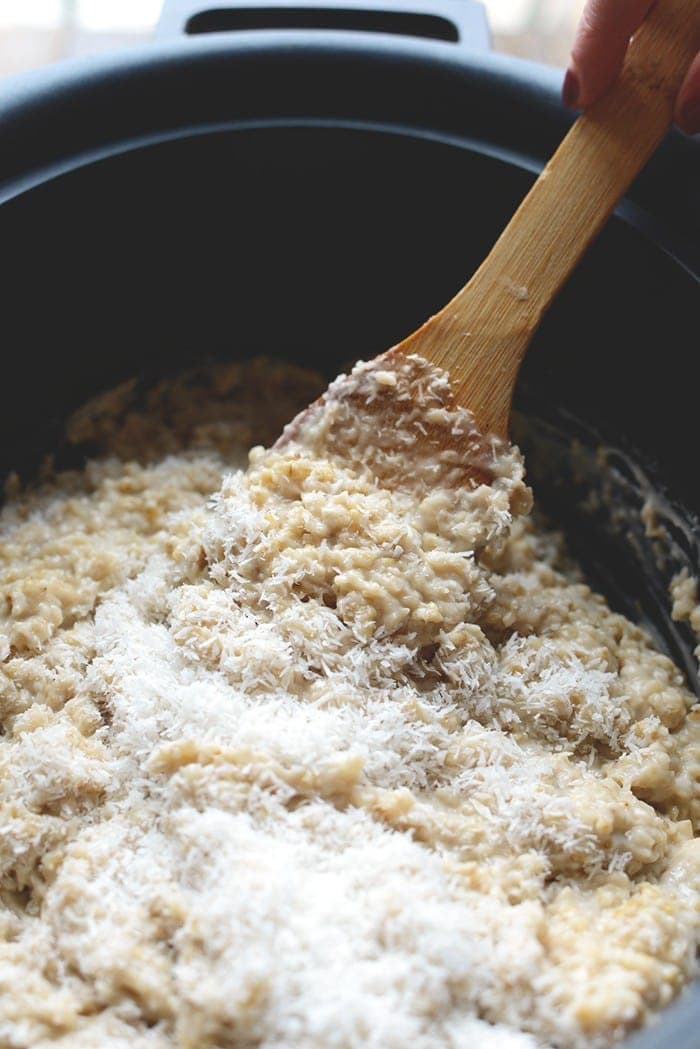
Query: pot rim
x=79, y=111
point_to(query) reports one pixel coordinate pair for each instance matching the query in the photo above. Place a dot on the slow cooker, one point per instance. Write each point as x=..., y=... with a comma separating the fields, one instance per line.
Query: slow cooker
x=311, y=181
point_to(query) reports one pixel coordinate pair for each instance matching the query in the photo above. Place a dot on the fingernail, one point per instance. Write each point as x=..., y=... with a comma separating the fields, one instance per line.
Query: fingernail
x=570, y=89
x=689, y=117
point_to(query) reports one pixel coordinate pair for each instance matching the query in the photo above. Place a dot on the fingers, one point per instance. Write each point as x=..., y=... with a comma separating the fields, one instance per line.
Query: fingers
x=687, y=113
x=599, y=48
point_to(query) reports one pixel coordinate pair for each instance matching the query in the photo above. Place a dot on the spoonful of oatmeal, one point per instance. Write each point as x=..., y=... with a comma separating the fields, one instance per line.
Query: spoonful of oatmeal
x=480, y=337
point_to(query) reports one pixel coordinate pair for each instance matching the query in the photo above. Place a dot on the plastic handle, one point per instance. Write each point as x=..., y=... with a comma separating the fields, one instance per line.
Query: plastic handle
x=461, y=22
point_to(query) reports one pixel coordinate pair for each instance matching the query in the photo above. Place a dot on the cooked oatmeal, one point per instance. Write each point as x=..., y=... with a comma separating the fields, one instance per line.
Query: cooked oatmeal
x=335, y=750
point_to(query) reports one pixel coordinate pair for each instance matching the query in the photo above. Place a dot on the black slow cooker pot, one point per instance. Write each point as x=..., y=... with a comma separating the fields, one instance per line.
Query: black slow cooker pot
x=312, y=182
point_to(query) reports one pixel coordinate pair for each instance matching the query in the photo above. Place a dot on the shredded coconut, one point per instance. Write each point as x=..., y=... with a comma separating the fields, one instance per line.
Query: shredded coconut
x=331, y=752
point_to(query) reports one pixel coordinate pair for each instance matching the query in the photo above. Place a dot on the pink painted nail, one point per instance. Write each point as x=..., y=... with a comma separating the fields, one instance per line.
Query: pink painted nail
x=570, y=89
x=689, y=117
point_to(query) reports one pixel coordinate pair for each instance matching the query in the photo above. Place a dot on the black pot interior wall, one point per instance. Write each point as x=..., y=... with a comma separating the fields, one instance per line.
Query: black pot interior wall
x=324, y=245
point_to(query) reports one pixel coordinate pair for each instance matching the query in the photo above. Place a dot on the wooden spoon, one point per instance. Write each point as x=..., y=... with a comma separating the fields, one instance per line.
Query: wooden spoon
x=481, y=336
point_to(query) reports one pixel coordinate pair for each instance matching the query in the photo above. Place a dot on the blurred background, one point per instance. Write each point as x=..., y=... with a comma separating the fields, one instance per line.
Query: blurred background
x=33, y=32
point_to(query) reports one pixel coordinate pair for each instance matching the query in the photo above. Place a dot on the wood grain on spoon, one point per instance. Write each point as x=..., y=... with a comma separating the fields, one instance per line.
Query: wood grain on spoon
x=480, y=337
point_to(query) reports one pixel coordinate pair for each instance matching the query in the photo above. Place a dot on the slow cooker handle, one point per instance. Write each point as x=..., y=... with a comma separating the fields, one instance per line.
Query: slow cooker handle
x=461, y=22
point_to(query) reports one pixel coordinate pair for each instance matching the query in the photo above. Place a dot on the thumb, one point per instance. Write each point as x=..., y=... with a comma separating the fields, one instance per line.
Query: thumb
x=601, y=42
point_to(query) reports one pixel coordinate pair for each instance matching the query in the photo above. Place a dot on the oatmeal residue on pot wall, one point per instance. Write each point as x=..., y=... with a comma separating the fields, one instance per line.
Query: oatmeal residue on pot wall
x=334, y=751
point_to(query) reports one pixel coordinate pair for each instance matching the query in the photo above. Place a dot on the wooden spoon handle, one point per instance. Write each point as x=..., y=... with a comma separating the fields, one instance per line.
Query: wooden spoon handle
x=482, y=334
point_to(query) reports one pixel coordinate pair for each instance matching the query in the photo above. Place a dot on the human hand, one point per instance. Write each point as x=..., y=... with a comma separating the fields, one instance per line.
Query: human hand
x=599, y=49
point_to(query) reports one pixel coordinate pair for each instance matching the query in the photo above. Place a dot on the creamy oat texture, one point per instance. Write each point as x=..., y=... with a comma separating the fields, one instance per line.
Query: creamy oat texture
x=685, y=607
x=337, y=751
